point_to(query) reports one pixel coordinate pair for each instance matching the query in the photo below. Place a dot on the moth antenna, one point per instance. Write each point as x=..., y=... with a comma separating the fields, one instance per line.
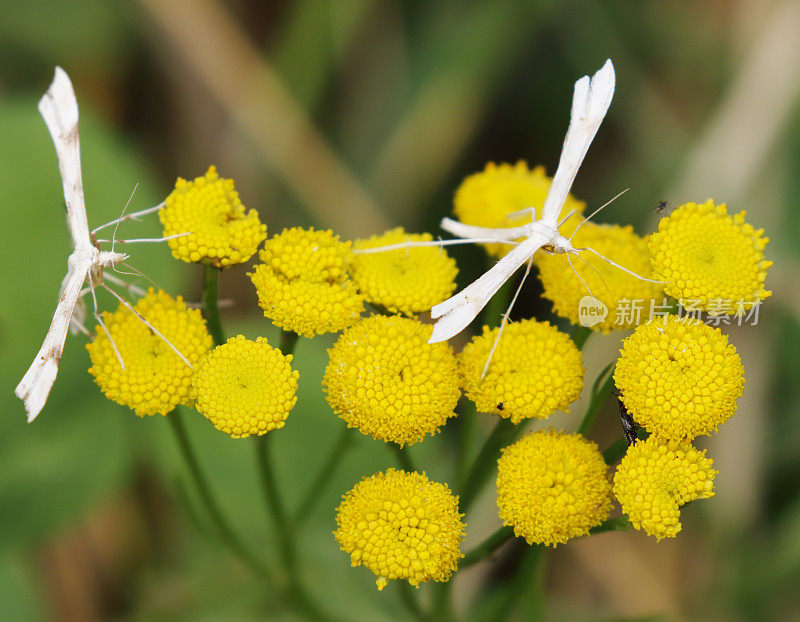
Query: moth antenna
x=504, y=321
x=148, y=324
x=400, y=245
x=595, y=212
x=99, y=318
x=138, y=240
x=580, y=278
x=121, y=216
x=616, y=265
x=132, y=216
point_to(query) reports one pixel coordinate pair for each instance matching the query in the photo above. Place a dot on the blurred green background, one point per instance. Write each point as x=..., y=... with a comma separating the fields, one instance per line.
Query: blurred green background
x=360, y=115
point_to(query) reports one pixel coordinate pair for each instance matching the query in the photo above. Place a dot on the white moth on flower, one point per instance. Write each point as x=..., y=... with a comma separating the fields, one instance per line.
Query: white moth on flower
x=590, y=102
x=59, y=108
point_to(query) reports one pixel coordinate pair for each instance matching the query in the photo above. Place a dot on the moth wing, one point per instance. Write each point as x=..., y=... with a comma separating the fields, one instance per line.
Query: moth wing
x=456, y=313
x=59, y=108
x=461, y=230
x=590, y=102
x=35, y=385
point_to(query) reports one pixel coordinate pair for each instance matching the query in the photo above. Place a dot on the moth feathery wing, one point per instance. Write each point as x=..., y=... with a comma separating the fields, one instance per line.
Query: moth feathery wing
x=35, y=385
x=59, y=108
x=590, y=102
x=455, y=313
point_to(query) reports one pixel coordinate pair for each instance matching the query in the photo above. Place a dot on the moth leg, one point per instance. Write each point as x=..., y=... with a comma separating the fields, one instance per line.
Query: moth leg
x=102, y=324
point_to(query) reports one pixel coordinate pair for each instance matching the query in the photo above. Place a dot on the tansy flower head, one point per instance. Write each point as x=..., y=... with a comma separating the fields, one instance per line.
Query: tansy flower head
x=627, y=298
x=708, y=257
x=401, y=526
x=535, y=370
x=221, y=232
x=385, y=379
x=246, y=387
x=679, y=379
x=408, y=280
x=155, y=379
x=486, y=199
x=302, y=284
x=552, y=486
x=658, y=476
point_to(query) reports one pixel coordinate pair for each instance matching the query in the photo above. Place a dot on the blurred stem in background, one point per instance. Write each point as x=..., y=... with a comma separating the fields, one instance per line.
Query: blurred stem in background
x=210, y=304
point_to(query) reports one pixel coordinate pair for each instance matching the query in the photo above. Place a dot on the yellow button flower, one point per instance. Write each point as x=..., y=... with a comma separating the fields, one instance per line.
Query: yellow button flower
x=535, y=370
x=221, y=232
x=401, y=526
x=246, y=387
x=155, y=379
x=302, y=282
x=705, y=255
x=656, y=477
x=409, y=280
x=627, y=298
x=552, y=486
x=384, y=378
x=679, y=379
x=486, y=199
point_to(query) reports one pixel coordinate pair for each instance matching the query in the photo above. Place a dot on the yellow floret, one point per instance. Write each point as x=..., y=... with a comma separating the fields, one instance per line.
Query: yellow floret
x=155, y=379
x=302, y=283
x=679, y=379
x=401, y=526
x=409, y=280
x=710, y=258
x=486, y=199
x=246, y=387
x=656, y=477
x=535, y=370
x=552, y=486
x=221, y=232
x=385, y=379
x=627, y=298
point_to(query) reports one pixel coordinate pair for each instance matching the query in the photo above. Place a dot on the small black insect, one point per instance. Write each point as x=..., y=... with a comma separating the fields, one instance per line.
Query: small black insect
x=660, y=207
x=629, y=427
x=500, y=406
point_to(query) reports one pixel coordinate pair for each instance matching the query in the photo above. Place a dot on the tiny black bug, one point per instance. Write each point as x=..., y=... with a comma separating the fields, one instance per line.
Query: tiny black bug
x=500, y=406
x=629, y=427
x=660, y=207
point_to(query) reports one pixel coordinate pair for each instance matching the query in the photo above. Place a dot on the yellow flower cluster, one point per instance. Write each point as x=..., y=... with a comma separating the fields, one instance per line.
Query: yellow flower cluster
x=679, y=379
x=401, y=526
x=220, y=231
x=384, y=378
x=302, y=282
x=535, y=370
x=552, y=486
x=607, y=283
x=658, y=476
x=409, y=280
x=703, y=254
x=246, y=387
x=155, y=379
x=486, y=199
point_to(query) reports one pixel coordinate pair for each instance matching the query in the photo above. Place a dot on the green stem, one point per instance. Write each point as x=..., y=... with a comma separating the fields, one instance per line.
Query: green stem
x=467, y=420
x=284, y=530
x=487, y=547
x=210, y=306
x=503, y=432
x=403, y=459
x=223, y=528
x=599, y=398
x=615, y=451
x=528, y=581
x=621, y=523
x=580, y=335
x=306, y=506
x=410, y=600
x=288, y=341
